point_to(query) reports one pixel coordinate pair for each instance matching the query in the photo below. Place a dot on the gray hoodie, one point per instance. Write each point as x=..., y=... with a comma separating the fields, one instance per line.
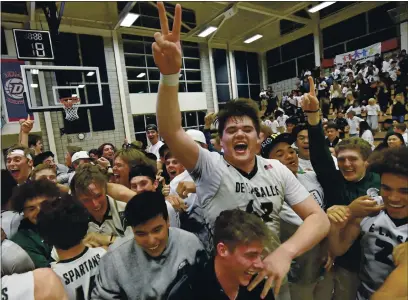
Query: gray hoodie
x=127, y=272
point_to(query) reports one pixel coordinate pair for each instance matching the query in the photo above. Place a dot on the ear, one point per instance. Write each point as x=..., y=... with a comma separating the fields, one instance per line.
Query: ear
x=30, y=163
x=222, y=250
x=156, y=184
x=366, y=164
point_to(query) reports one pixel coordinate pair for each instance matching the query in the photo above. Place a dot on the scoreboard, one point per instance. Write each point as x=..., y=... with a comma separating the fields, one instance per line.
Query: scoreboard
x=33, y=44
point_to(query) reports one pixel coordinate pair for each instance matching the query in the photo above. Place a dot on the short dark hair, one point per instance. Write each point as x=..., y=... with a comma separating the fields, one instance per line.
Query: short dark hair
x=39, y=159
x=332, y=125
x=391, y=160
x=401, y=126
x=144, y=207
x=168, y=155
x=291, y=120
x=237, y=109
x=31, y=190
x=236, y=227
x=94, y=151
x=33, y=139
x=143, y=170
x=298, y=129
x=163, y=149
x=63, y=222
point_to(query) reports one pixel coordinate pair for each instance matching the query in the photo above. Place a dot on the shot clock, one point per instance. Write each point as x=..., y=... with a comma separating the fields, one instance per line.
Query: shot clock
x=33, y=44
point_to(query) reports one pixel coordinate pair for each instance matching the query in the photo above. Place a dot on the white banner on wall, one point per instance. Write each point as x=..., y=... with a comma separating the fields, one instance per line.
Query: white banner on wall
x=358, y=55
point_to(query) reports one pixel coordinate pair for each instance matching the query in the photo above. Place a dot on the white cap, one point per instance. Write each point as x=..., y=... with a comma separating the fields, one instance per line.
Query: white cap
x=197, y=135
x=80, y=155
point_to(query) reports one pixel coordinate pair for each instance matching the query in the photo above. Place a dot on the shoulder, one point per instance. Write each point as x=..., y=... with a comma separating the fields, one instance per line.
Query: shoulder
x=116, y=205
x=98, y=250
x=121, y=244
x=270, y=164
x=183, y=235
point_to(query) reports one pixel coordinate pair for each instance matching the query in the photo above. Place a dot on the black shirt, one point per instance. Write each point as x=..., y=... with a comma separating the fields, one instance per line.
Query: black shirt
x=202, y=284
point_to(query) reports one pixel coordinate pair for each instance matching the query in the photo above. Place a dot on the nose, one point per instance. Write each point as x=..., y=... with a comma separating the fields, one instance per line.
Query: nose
x=393, y=197
x=151, y=240
x=95, y=202
x=258, y=263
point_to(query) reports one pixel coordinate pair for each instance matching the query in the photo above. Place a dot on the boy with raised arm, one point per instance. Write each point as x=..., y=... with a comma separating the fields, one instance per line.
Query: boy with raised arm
x=239, y=179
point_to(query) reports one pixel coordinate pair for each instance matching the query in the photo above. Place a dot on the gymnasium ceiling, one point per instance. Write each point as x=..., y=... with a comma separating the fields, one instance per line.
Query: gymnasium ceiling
x=279, y=22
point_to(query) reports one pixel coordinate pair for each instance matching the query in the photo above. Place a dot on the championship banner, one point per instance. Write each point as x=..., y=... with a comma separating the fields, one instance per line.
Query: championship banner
x=358, y=55
x=13, y=88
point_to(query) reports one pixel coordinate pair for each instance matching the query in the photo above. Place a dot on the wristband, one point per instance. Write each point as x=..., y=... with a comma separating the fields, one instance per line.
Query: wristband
x=311, y=111
x=170, y=80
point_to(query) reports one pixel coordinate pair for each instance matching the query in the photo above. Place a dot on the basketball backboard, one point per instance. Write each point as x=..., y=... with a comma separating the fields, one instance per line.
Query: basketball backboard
x=44, y=86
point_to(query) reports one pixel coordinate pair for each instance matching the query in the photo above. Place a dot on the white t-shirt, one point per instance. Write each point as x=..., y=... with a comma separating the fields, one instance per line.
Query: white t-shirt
x=405, y=136
x=10, y=221
x=380, y=236
x=368, y=136
x=282, y=120
x=18, y=286
x=78, y=274
x=372, y=110
x=155, y=149
x=220, y=186
x=357, y=110
x=309, y=181
x=354, y=124
x=306, y=164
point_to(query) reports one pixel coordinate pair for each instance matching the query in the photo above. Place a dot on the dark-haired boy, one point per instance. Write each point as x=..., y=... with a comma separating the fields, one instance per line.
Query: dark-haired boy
x=381, y=232
x=148, y=264
x=239, y=178
x=27, y=198
x=64, y=223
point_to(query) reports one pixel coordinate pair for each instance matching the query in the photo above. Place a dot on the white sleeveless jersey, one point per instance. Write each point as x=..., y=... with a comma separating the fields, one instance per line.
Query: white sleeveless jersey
x=221, y=187
x=380, y=236
x=78, y=274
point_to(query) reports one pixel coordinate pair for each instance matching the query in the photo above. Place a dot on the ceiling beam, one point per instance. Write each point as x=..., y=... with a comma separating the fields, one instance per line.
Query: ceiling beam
x=338, y=17
x=210, y=20
x=171, y=16
x=250, y=6
x=128, y=7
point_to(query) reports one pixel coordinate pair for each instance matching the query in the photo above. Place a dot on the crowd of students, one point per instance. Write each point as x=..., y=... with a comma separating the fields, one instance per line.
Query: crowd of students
x=236, y=211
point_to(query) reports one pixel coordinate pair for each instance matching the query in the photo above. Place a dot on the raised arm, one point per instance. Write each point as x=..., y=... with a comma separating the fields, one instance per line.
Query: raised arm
x=320, y=155
x=167, y=57
x=25, y=127
x=120, y=192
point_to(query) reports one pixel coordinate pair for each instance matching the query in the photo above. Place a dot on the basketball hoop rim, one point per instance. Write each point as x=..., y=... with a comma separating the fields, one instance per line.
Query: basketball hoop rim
x=73, y=99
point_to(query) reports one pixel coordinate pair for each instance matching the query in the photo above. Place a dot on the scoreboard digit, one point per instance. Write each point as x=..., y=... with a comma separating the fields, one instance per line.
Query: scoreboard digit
x=33, y=44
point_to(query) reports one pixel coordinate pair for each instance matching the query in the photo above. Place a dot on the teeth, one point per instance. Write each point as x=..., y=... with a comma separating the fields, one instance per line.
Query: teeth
x=396, y=206
x=154, y=248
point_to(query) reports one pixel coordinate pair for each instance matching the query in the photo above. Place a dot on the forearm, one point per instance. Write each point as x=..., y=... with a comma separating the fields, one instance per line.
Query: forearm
x=23, y=139
x=119, y=192
x=314, y=229
x=168, y=111
x=395, y=286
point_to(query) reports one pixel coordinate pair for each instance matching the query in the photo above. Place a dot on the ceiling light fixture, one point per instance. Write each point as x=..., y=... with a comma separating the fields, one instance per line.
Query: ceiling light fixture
x=34, y=85
x=34, y=71
x=141, y=75
x=81, y=86
x=129, y=20
x=90, y=73
x=207, y=31
x=252, y=39
x=321, y=6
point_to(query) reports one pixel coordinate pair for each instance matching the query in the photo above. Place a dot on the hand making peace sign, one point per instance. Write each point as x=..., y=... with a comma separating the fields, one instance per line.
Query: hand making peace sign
x=167, y=48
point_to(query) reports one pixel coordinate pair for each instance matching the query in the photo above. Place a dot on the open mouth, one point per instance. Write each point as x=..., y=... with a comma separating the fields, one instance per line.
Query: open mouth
x=173, y=173
x=153, y=248
x=240, y=147
x=250, y=273
x=396, y=206
x=15, y=173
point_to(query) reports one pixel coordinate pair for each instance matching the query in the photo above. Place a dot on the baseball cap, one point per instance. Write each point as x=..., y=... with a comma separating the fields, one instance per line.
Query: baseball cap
x=197, y=135
x=80, y=155
x=270, y=142
x=151, y=127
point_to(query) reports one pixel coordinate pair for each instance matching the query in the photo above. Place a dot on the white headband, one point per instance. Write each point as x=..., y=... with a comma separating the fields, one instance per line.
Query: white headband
x=20, y=152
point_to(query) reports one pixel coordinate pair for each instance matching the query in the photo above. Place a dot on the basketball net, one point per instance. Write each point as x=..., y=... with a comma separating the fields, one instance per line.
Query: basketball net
x=71, y=105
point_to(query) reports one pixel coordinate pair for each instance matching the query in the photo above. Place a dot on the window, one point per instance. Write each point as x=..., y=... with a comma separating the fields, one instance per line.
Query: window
x=143, y=75
x=247, y=70
x=281, y=72
x=221, y=75
x=190, y=120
